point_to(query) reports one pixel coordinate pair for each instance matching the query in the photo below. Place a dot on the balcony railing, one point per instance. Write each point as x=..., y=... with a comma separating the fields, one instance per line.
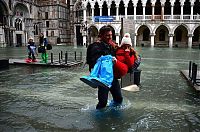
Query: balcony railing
x=185, y=18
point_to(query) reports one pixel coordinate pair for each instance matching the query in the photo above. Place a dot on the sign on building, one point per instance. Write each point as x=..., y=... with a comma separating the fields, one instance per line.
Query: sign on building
x=103, y=19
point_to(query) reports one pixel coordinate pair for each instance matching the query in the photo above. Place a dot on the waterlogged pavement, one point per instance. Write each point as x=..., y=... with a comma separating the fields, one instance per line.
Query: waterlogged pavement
x=54, y=99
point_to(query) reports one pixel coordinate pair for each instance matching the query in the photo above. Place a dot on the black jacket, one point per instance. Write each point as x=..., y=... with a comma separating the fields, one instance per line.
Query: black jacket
x=96, y=50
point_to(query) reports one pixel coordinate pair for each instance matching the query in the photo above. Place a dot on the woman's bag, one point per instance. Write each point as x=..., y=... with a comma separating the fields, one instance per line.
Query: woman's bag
x=49, y=47
x=41, y=49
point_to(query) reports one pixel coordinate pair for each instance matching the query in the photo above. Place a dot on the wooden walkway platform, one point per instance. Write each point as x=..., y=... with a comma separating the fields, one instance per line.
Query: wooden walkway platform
x=49, y=64
x=185, y=74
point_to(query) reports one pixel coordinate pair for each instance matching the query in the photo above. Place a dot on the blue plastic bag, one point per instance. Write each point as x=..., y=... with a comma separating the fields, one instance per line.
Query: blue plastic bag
x=101, y=74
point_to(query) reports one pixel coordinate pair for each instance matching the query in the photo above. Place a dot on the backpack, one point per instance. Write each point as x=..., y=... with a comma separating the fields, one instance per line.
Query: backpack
x=92, y=54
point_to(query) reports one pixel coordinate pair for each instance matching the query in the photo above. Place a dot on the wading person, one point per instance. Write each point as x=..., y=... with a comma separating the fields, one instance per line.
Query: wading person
x=104, y=46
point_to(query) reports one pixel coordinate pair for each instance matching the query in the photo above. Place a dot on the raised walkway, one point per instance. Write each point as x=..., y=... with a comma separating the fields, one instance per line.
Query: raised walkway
x=185, y=74
x=48, y=64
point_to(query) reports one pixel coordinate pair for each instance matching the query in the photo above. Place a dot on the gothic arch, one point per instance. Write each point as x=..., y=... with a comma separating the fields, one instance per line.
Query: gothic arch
x=184, y=25
x=21, y=10
x=78, y=5
x=92, y=33
x=136, y=29
x=165, y=25
x=195, y=27
x=181, y=36
x=161, y=35
x=143, y=35
x=4, y=12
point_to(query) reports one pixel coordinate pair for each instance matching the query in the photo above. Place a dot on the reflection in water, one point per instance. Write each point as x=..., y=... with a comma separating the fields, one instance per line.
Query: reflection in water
x=53, y=99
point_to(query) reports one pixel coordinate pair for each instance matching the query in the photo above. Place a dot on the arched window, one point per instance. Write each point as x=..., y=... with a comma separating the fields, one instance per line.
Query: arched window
x=18, y=24
x=113, y=9
x=96, y=9
x=104, y=9
x=35, y=29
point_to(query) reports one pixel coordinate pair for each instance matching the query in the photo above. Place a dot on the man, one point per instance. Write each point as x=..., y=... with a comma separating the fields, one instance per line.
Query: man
x=105, y=46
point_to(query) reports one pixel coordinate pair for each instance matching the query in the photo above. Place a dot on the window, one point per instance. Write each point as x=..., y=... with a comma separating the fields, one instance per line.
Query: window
x=47, y=23
x=30, y=8
x=35, y=29
x=52, y=33
x=18, y=24
x=46, y=15
x=47, y=33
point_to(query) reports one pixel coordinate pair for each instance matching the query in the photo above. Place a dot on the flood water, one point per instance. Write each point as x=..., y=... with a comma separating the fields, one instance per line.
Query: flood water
x=53, y=99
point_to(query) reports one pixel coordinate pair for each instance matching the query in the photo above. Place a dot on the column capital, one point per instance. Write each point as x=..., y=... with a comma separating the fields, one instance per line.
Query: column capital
x=117, y=34
x=152, y=34
x=190, y=35
x=171, y=35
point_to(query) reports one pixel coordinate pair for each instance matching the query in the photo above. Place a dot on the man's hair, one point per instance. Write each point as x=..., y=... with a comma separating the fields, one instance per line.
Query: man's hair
x=103, y=30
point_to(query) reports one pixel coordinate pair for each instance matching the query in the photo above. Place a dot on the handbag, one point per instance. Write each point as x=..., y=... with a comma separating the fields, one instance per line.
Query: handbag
x=49, y=47
x=41, y=49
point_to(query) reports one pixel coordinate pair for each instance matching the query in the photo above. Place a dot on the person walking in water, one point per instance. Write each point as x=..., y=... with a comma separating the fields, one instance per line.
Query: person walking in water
x=104, y=46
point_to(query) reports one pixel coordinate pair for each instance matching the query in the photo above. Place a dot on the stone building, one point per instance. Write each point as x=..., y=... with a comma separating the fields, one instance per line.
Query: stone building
x=21, y=19
x=161, y=23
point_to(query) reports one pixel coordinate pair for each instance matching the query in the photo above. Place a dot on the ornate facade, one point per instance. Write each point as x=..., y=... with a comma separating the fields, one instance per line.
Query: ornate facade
x=21, y=19
x=164, y=23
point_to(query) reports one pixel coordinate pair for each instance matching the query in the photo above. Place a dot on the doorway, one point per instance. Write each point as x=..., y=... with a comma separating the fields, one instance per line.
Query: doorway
x=19, y=40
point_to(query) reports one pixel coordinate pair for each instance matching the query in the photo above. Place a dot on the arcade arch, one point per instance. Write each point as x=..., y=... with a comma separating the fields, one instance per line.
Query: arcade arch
x=196, y=37
x=93, y=34
x=143, y=36
x=161, y=36
x=180, y=36
x=5, y=36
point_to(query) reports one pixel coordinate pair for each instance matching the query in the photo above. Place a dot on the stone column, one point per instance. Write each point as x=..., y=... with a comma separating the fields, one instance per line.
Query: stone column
x=143, y=7
x=84, y=39
x=191, y=15
x=100, y=7
x=152, y=39
x=108, y=10
x=117, y=12
x=153, y=8
x=126, y=12
x=181, y=12
x=162, y=12
x=135, y=40
x=171, y=36
x=84, y=14
x=74, y=39
x=92, y=11
x=117, y=38
x=135, y=12
x=190, y=40
x=172, y=11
